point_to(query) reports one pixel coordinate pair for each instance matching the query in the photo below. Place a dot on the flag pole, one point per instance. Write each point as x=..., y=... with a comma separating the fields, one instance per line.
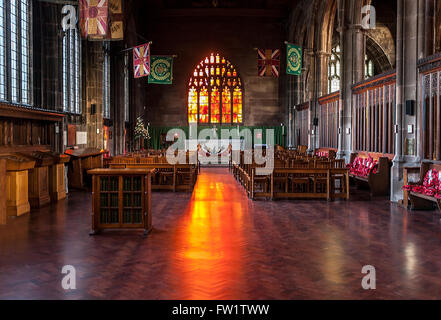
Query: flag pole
x=131, y=48
x=165, y=55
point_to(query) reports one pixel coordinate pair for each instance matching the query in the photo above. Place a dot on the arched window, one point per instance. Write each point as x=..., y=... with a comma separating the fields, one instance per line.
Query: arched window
x=369, y=70
x=15, y=51
x=334, y=70
x=72, y=71
x=215, y=94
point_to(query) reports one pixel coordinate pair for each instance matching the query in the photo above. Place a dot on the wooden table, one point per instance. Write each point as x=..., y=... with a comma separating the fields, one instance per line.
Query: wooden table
x=122, y=199
x=81, y=161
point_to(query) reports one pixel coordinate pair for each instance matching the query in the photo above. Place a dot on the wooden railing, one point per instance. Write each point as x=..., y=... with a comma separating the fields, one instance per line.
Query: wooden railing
x=328, y=114
x=302, y=124
x=373, y=114
x=430, y=114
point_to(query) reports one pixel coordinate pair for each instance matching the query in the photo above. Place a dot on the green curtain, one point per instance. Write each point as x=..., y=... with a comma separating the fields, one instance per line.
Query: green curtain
x=279, y=134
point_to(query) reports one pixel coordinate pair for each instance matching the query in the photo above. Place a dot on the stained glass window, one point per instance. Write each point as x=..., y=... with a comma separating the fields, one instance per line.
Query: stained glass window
x=334, y=66
x=71, y=71
x=15, y=51
x=369, y=70
x=215, y=94
x=2, y=51
x=334, y=70
x=106, y=81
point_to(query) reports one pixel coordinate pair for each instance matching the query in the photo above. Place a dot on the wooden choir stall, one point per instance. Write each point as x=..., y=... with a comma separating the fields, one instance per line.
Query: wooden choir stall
x=83, y=160
x=2, y=191
x=17, y=184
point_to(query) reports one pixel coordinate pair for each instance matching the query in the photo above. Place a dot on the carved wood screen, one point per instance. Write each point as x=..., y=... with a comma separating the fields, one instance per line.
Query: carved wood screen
x=373, y=114
x=431, y=116
x=302, y=124
x=329, y=107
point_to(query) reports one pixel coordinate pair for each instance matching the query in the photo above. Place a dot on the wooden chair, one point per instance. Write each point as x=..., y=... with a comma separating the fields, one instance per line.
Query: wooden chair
x=281, y=180
x=165, y=174
x=300, y=182
x=320, y=181
x=340, y=178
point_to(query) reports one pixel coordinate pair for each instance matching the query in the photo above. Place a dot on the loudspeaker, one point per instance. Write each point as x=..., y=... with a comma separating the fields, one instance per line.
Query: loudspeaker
x=316, y=122
x=93, y=109
x=410, y=107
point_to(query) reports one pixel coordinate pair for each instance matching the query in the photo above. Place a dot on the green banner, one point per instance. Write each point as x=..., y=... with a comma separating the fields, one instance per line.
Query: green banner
x=161, y=70
x=294, y=60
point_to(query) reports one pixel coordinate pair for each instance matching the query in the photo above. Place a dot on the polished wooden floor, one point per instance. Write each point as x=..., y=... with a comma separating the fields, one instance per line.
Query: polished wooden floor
x=216, y=244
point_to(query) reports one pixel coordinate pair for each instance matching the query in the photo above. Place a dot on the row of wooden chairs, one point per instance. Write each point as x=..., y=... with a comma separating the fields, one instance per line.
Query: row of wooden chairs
x=302, y=177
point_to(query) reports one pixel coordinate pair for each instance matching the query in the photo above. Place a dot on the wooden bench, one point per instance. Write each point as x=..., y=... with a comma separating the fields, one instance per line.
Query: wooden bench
x=179, y=177
x=378, y=182
x=311, y=175
x=419, y=201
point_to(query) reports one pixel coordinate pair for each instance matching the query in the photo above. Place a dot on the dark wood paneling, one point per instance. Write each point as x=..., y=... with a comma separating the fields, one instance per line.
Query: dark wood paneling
x=3, y=191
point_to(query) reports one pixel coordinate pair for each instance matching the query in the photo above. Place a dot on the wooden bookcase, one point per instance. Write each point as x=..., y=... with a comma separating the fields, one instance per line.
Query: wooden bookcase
x=122, y=199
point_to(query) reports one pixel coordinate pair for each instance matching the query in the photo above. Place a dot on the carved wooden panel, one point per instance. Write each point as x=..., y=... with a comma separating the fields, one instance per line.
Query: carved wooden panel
x=57, y=186
x=2, y=191
x=39, y=187
x=71, y=135
x=17, y=193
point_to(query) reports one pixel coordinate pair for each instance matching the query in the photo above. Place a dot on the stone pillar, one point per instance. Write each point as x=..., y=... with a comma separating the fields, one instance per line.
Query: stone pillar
x=118, y=70
x=321, y=88
x=308, y=88
x=429, y=27
x=94, y=94
x=411, y=46
x=353, y=42
x=290, y=88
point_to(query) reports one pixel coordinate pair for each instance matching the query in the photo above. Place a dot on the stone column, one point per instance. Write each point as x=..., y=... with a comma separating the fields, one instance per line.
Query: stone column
x=411, y=46
x=118, y=94
x=353, y=41
x=309, y=88
x=321, y=87
x=94, y=94
x=290, y=98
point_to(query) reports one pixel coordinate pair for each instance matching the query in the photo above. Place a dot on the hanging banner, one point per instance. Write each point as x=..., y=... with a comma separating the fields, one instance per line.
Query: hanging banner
x=141, y=60
x=268, y=62
x=161, y=70
x=294, y=60
x=116, y=20
x=94, y=16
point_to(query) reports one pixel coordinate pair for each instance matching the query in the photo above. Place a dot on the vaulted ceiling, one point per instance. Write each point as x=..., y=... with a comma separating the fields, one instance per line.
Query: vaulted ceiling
x=253, y=4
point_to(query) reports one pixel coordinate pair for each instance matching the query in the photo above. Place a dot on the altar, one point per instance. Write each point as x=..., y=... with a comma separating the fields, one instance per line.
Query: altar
x=214, y=152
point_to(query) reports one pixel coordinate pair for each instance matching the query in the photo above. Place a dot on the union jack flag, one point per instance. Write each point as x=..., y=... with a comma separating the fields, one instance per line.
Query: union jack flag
x=141, y=60
x=94, y=18
x=268, y=62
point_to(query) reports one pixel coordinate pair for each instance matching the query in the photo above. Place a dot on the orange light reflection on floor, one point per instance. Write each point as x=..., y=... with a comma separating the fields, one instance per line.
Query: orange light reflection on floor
x=208, y=256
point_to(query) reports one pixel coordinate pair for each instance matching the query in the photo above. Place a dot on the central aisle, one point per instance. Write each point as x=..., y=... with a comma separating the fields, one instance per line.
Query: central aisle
x=217, y=244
